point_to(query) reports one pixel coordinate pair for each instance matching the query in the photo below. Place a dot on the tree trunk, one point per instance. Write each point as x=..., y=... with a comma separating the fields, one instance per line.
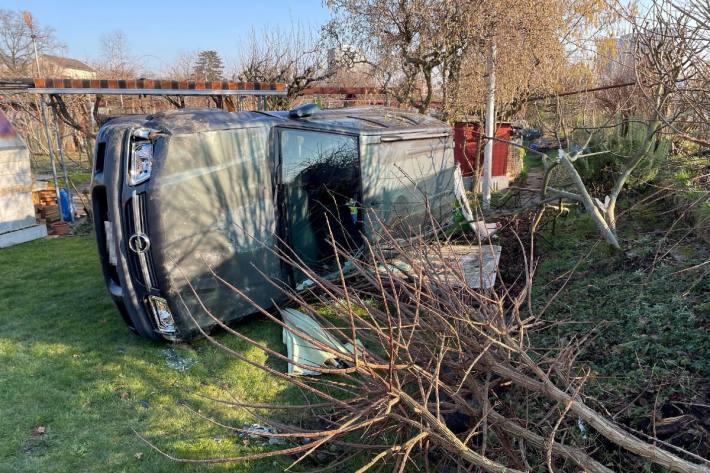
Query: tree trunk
x=604, y=228
x=606, y=428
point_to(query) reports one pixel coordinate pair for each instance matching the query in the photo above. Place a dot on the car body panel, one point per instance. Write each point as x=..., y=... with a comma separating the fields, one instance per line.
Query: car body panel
x=212, y=211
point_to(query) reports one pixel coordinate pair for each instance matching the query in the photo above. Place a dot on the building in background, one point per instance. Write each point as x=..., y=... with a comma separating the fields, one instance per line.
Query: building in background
x=17, y=213
x=65, y=67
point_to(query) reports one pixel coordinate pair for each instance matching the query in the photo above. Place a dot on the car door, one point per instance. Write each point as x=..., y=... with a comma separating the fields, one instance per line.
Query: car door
x=320, y=198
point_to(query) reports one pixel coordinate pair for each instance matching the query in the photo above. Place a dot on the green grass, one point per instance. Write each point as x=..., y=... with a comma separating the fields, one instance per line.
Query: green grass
x=78, y=169
x=687, y=174
x=648, y=322
x=532, y=161
x=70, y=365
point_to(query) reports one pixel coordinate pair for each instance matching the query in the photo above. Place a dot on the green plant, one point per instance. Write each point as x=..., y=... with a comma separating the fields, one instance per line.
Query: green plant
x=615, y=145
x=643, y=320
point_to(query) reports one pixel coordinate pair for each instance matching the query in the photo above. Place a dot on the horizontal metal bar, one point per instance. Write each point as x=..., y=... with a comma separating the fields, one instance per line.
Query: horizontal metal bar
x=413, y=136
x=100, y=91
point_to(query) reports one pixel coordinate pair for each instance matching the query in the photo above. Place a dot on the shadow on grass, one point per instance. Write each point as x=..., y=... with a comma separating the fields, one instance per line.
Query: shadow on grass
x=75, y=381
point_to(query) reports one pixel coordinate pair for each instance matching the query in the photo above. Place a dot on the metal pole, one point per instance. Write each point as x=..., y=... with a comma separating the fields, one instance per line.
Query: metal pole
x=60, y=146
x=34, y=44
x=43, y=112
x=43, y=109
x=490, y=125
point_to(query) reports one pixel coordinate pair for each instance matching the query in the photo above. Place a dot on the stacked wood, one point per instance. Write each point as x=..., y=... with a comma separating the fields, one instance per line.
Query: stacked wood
x=44, y=198
x=48, y=213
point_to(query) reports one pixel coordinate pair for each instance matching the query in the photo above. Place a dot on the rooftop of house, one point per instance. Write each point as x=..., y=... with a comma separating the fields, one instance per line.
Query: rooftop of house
x=67, y=62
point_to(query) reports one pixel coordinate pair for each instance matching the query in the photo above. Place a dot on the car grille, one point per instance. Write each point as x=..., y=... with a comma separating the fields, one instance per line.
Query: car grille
x=141, y=263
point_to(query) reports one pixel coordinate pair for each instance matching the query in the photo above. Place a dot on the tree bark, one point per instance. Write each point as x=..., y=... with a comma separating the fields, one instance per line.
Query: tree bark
x=604, y=228
x=651, y=130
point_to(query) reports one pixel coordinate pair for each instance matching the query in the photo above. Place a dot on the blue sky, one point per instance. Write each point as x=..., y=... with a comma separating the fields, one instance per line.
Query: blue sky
x=159, y=30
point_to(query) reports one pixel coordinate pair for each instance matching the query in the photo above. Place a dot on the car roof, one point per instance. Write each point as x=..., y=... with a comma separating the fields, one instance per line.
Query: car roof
x=357, y=120
x=367, y=120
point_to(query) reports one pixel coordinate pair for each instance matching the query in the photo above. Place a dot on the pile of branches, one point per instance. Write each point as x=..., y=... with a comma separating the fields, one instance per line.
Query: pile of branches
x=441, y=377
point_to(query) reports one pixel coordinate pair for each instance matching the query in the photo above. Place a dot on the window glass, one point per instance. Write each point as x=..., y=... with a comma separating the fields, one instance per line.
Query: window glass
x=321, y=178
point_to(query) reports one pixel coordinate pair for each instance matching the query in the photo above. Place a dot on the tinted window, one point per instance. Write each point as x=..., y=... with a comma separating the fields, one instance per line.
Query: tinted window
x=321, y=178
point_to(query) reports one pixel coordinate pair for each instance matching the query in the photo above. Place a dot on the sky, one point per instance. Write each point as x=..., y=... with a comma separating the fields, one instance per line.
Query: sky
x=158, y=30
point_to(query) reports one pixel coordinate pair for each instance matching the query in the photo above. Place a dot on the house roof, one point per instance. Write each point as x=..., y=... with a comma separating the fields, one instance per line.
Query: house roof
x=67, y=62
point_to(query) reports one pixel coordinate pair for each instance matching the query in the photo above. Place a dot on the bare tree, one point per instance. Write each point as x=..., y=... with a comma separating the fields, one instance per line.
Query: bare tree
x=183, y=67
x=434, y=51
x=294, y=56
x=116, y=59
x=669, y=64
x=16, y=48
x=412, y=47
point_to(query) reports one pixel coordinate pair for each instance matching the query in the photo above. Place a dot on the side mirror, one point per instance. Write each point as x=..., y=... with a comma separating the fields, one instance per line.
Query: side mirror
x=303, y=111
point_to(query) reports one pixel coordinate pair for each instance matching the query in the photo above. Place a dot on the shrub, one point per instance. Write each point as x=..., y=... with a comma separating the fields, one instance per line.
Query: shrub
x=599, y=171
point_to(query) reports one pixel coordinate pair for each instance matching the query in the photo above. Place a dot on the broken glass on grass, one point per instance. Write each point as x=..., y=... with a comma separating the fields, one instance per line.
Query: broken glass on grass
x=261, y=432
x=176, y=361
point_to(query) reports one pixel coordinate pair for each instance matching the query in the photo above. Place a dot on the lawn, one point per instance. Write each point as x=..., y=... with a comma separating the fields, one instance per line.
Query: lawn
x=75, y=382
x=645, y=313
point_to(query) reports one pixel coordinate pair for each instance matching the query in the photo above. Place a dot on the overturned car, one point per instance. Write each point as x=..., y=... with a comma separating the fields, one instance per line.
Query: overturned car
x=181, y=196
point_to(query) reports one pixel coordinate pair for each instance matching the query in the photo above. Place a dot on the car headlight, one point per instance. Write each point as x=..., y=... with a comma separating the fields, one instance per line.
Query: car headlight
x=162, y=315
x=140, y=162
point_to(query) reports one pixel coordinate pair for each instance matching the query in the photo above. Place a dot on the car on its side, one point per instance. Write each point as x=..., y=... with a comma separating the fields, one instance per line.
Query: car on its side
x=181, y=196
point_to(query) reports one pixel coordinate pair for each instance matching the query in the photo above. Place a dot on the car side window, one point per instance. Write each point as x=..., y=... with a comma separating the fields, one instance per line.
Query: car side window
x=321, y=179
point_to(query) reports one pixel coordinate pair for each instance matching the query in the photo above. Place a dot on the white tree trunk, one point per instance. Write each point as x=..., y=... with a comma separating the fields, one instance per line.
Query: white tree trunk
x=606, y=231
x=490, y=125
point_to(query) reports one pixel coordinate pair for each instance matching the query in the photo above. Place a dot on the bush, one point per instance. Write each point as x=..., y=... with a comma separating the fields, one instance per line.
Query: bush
x=599, y=171
x=687, y=174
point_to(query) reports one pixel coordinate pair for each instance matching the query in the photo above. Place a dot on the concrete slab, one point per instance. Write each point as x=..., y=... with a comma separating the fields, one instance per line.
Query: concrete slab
x=22, y=235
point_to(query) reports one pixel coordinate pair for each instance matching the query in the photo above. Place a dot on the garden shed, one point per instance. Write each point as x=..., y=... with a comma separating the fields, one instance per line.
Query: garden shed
x=17, y=212
x=468, y=151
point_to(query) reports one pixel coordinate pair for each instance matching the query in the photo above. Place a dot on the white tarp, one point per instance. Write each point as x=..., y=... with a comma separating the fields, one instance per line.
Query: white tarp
x=303, y=352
